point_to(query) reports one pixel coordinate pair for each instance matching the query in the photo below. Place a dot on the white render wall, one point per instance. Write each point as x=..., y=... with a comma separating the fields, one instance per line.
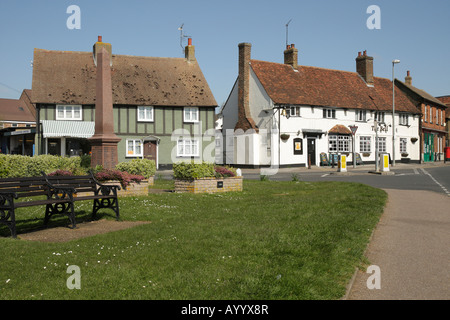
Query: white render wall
x=312, y=118
x=266, y=148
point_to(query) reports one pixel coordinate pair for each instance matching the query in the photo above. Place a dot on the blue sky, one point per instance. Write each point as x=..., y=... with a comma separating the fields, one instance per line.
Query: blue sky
x=328, y=34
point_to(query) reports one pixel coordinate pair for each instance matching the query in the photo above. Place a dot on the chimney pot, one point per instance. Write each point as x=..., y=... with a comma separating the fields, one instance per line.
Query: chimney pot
x=99, y=38
x=292, y=45
x=364, y=67
x=408, y=78
x=189, y=41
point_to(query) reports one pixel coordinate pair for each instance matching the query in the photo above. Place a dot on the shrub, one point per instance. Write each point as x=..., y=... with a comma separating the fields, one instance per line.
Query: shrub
x=141, y=167
x=14, y=166
x=191, y=171
x=123, y=177
x=224, y=172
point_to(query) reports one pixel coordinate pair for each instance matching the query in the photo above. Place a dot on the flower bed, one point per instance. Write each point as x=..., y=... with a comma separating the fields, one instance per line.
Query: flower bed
x=205, y=178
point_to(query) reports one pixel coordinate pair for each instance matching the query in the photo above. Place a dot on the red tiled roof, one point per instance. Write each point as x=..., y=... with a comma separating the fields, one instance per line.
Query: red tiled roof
x=445, y=100
x=325, y=87
x=70, y=77
x=339, y=129
x=15, y=110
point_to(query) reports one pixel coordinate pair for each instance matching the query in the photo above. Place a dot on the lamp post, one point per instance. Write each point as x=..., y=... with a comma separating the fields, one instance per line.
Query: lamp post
x=393, y=111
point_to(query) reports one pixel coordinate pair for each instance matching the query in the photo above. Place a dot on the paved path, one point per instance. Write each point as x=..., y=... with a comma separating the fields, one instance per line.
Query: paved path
x=411, y=246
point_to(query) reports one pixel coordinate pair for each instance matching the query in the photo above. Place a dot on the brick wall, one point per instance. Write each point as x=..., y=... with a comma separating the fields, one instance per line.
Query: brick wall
x=209, y=185
x=133, y=189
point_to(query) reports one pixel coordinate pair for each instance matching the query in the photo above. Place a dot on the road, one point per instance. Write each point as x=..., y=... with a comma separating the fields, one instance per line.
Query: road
x=405, y=177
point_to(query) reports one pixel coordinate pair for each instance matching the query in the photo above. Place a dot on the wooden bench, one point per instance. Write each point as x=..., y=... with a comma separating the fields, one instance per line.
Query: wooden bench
x=33, y=192
x=88, y=188
x=59, y=192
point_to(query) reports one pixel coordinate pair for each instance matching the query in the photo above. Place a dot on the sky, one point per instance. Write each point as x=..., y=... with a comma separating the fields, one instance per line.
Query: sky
x=327, y=33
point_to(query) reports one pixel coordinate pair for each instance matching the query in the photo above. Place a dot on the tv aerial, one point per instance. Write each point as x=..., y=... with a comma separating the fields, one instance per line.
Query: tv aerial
x=287, y=26
x=182, y=36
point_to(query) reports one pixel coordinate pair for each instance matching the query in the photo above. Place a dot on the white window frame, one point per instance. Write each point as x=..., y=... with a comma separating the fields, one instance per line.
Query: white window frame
x=68, y=114
x=339, y=143
x=382, y=144
x=135, y=143
x=329, y=113
x=189, y=112
x=148, y=113
x=379, y=116
x=188, y=147
x=403, y=119
x=294, y=111
x=365, y=144
x=361, y=115
x=437, y=116
x=403, y=145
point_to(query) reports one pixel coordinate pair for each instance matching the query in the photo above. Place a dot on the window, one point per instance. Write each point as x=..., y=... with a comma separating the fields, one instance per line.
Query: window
x=364, y=144
x=187, y=147
x=442, y=118
x=425, y=114
x=294, y=111
x=329, y=113
x=68, y=112
x=381, y=144
x=134, y=148
x=379, y=116
x=403, y=119
x=145, y=113
x=437, y=116
x=403, y=142
x=431, y=115
x=339, y=143
x=360, y=115
x=190, y=114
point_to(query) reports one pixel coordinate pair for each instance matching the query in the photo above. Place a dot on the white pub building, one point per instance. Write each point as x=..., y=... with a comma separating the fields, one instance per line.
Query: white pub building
x=291, y=115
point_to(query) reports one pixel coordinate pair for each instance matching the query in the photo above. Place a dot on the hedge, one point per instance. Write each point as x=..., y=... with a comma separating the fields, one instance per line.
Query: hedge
x=142, y=167
x=12, y=166
x=15, y=166
x=192, y=171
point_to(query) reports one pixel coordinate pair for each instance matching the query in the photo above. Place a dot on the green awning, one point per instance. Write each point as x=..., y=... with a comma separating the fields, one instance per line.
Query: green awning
x=73, y=129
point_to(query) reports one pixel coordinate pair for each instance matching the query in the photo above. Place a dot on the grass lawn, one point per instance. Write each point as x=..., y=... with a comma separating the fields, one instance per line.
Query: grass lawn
x=274, y=240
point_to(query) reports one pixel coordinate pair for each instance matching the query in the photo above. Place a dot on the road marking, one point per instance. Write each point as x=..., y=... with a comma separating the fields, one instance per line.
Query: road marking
x=324, y=175
x=415, y=171
x=437, y=182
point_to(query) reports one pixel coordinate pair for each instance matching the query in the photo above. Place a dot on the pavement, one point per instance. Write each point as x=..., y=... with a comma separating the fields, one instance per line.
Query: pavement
x=409, y=251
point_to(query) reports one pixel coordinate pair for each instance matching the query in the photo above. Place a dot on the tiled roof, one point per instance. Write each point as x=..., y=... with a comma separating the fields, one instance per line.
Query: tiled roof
x=339, y=129
x=445, y=100
x=324, y=87
x=421, y=93
x=15, y=110
x=69, y=77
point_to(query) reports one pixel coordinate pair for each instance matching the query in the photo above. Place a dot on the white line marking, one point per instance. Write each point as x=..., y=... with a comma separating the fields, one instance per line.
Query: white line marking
x=415, y=171
x=324, y=175
x=437, y=182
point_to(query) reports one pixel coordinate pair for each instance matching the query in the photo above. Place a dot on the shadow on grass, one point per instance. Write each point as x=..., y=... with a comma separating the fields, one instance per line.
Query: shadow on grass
x=37, y=223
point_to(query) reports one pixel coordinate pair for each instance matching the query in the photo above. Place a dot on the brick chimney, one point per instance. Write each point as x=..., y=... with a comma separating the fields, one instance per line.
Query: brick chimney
x=189, y=51
x=364, y=66
x=245, y=120
x=408, y=78
x=96, y=49
x=104, y=141
x=291, y=56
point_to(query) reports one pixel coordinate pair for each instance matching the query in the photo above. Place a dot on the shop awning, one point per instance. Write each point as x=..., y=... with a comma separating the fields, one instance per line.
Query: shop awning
x=72, y=129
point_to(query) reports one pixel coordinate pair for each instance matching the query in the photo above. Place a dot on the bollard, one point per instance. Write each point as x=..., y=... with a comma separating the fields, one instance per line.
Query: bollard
x=384, y=162
x=342, y=164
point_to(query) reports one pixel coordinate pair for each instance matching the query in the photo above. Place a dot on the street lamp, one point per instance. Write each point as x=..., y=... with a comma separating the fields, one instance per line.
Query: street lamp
x=393, y=112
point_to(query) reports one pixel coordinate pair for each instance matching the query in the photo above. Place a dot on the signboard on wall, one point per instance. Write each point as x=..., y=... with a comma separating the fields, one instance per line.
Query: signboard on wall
x=298, y=146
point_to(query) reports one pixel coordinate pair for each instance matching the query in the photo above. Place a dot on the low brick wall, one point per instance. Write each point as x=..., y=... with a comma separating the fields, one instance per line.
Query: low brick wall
x=133, y=189
x=209, y=185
